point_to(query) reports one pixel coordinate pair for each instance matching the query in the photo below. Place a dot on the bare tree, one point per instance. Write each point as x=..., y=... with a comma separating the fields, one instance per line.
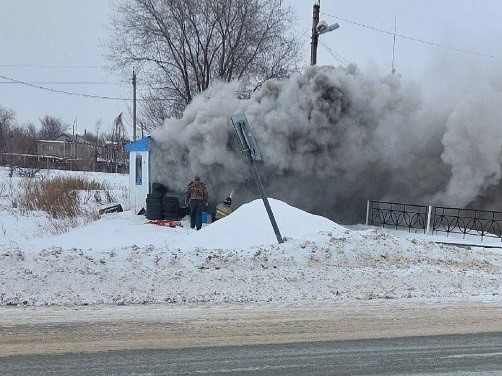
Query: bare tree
x=15, y=139
x=154, y=111
x=7, y=121
x=51, y=127
x=22, y=139
x=183, y=45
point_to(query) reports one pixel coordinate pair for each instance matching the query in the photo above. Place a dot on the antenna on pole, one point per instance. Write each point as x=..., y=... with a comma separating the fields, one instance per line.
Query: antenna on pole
x=134, y=105
x=394, y=45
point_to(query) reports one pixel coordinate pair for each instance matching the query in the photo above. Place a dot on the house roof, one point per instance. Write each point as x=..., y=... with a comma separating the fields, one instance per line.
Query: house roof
x=68, y=138
x=52, y=141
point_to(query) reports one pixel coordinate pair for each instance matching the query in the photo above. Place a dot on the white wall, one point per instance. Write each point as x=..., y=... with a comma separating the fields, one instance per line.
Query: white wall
x=139, y=186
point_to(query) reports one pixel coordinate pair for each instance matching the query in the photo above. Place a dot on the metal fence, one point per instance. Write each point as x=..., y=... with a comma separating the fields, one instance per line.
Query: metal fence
x=393, y=214
x=435, y=219
x=467, y=222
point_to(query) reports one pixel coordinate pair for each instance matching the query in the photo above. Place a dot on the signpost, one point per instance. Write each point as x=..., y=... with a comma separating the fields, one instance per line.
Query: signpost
x=250, y=149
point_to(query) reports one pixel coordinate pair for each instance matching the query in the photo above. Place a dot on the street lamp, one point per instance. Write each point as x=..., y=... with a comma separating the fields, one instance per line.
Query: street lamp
x=318, y=28
x=323, y=27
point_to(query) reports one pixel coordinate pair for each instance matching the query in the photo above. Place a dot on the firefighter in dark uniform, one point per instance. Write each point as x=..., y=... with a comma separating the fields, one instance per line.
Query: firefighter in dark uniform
x=197, y=198
x=223, y=208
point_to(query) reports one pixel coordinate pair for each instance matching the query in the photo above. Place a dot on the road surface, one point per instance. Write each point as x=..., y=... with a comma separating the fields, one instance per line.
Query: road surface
x=266, y=339
x=472, y=354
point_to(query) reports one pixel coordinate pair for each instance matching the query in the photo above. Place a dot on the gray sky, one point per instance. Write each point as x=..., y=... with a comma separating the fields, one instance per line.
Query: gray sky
x=48, y=41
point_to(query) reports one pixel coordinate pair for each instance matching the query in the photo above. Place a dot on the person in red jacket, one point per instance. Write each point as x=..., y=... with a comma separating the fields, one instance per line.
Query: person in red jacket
x=197, y=198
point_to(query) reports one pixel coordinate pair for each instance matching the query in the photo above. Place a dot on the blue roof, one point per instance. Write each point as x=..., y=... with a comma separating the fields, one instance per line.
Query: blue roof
x=142, y=144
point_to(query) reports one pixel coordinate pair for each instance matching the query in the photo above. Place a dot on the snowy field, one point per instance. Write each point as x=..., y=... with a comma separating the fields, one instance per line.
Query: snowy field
x=121, y=259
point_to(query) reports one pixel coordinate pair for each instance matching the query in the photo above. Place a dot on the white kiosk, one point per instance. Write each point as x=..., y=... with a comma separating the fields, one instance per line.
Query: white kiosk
x=139, y=172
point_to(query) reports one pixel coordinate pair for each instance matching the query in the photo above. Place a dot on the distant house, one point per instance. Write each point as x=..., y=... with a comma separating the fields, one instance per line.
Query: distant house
x=67, y=146
x=113, y=152
x=76, y=152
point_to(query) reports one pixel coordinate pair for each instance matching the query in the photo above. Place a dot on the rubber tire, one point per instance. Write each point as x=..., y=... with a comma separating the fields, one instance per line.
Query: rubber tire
x=155, y=195
x=170, y=206
x=154, y=200
x=159, y=188
x=171, y=199
x=172, y=217
x=154, y=211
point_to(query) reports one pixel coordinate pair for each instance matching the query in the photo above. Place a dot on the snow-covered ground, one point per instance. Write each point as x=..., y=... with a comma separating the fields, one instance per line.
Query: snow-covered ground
x=122, y=259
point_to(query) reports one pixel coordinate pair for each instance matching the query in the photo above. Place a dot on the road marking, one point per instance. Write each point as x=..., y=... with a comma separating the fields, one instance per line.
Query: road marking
x=248, y=369
x=485, y=355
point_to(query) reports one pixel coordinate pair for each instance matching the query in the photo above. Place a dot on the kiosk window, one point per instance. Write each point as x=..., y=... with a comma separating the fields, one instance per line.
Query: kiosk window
x=139, y=169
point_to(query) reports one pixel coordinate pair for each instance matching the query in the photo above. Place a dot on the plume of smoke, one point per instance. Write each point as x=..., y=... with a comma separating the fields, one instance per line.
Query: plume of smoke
x=472, y=145
x=332, y=138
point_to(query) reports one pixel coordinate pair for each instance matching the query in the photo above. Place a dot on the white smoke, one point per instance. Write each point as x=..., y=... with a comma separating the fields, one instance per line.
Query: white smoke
x=472, y=145
x=332, y=138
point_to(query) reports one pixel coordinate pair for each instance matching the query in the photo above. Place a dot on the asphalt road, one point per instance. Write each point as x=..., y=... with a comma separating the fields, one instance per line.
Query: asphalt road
x=470, y=354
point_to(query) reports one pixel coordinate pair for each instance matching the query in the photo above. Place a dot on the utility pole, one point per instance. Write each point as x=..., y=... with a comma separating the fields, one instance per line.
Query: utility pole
x=133, y=105
x=315, y=33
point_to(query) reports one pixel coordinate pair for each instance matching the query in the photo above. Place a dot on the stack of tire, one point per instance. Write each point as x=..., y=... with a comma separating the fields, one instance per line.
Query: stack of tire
x=184, y=210
x=154, y=207
x=171, y=208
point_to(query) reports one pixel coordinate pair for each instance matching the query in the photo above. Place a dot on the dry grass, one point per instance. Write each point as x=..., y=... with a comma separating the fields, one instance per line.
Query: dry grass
x=57, y=196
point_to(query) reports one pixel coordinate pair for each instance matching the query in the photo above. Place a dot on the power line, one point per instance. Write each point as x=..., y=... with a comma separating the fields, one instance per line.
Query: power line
x=335, y=55
x=50, y=66
x=63, y=91
x=85, y=95
x=67, y=83
x=414, y=38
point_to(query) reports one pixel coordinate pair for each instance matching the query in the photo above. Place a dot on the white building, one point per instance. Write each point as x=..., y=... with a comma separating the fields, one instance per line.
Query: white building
x=139, y=172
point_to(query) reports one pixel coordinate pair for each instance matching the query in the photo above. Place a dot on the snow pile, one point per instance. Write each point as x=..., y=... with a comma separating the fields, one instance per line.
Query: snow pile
x=113, y=231
x=122, y=259
x=328, y=266
x=250, y=226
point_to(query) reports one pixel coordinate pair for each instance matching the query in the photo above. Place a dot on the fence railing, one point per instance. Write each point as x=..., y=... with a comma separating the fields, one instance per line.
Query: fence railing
x=393, y=214
x=467, y=222
x=435, y=219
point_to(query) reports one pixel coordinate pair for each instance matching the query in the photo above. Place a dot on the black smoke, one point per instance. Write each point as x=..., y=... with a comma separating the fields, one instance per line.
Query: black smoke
x=333, y=138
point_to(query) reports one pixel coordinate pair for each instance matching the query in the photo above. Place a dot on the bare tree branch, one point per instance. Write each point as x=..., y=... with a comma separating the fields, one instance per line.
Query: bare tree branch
x=182, y=46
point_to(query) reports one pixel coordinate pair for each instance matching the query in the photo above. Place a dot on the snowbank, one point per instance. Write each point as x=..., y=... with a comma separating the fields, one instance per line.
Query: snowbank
x=250, y=226
x=122, y=259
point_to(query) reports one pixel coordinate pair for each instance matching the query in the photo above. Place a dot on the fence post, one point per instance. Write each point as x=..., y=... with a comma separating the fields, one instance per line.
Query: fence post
x=367, y=212
x=429, y=216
